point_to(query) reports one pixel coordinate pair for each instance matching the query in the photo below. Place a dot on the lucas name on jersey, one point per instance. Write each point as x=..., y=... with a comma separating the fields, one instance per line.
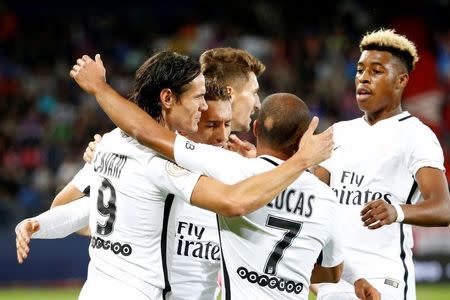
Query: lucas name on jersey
x=109, y=164
x=350, y=194
x=294, y=201
x=189, y=243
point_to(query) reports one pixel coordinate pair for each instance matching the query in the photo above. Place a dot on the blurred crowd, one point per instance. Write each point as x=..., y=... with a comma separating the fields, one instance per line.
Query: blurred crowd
x=47, y=121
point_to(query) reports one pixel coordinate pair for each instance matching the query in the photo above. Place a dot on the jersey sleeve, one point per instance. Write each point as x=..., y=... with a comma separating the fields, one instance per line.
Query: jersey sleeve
x=63, y=220
x=425, y=151
x=82, y=180
x=215, y=162
x=172, y=178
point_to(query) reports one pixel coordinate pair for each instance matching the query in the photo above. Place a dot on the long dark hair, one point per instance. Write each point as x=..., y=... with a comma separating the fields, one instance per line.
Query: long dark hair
x=166, y=69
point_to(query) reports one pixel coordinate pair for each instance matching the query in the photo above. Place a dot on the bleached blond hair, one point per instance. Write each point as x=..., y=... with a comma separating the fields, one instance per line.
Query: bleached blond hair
x=390, y=41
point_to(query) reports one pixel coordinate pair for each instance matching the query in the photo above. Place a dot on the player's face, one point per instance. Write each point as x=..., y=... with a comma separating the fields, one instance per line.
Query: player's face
x=375, y=80
x=186, y=113
x=214, y=127
x=245, y=102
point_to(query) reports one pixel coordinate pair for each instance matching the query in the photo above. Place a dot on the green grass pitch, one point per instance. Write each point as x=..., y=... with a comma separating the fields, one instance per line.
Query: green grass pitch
x=424, y=292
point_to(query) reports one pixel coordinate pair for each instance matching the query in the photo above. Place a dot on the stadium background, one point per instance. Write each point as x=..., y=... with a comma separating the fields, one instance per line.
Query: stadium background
x=46, y=120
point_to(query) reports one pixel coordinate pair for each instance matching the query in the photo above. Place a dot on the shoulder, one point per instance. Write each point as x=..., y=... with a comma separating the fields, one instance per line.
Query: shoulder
x=309, y=181
x=416, y=129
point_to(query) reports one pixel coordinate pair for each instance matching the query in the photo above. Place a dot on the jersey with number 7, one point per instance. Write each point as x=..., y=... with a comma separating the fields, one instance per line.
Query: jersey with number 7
x=270, y=253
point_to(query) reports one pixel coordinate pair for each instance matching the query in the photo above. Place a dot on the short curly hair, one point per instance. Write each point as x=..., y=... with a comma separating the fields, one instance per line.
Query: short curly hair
x=390, y=41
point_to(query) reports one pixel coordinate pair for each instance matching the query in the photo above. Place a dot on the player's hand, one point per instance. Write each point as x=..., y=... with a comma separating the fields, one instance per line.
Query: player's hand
x=89, y=74
x=377, y=214
x=88, y=154
x=244, y=148
x=315, y=148
x=365, y=291
x=24, y=231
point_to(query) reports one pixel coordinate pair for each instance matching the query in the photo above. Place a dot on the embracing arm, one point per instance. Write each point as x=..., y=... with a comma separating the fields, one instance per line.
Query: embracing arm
x=90, y=76
x=247, y=195
x=256, y=191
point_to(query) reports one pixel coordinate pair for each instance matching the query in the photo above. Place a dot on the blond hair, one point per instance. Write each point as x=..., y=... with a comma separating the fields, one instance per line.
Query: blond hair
x=390, y=41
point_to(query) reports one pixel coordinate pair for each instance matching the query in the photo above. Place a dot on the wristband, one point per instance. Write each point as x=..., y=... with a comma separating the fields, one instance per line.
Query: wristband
x=400, y=213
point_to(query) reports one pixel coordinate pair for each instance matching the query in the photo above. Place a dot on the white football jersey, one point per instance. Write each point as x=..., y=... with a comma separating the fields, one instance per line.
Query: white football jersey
x=131, y=197
x=196, y=253
x=270, y=253
x=380, y=162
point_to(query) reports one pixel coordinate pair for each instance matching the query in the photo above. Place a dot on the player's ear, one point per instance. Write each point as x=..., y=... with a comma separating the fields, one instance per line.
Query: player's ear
x=230, y=92
x=255, y=127
x=402, y=80
x=165, y=96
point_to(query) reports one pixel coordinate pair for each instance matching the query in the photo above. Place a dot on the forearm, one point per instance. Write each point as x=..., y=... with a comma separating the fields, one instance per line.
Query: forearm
x=68, y=194
x=135, y=122
x=427, y=213
x=63, y=220
x=321, y=274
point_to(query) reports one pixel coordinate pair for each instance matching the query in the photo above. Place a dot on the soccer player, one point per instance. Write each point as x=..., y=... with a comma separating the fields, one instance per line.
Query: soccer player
x=387, y=172
x=128, y=244
x=288, y=213
x=196, y=249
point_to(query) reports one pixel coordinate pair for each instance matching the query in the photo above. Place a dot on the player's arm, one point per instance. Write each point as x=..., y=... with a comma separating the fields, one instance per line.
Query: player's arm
x=76, y=189
x=55, y=223
x=68, y=194
x=322, y=174
x=323, y=274
x=256, y=191
x=90, y=76
x=434, y=210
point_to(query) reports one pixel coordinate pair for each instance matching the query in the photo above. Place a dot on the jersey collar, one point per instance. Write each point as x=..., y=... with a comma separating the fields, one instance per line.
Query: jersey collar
x=271, y=159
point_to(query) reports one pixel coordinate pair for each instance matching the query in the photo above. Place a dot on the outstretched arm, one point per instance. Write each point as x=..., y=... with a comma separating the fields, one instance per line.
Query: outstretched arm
x=55, y=223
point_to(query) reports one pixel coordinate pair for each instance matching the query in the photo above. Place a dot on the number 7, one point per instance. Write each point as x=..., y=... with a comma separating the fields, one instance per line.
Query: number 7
x=293, y=229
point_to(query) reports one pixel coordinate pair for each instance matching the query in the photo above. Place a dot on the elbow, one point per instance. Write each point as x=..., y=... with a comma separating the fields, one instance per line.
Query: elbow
x=444, y=219
x=232, y=207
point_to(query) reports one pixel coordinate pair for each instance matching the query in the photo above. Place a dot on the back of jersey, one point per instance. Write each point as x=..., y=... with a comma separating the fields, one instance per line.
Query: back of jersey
x=270, y=253
x=129, y=212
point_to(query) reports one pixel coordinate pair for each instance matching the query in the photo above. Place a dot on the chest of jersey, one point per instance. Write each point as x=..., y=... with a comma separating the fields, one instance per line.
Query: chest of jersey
x=370, y=162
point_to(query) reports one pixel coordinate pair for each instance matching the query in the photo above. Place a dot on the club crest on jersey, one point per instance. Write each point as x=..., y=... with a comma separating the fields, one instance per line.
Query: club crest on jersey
x=175, y=170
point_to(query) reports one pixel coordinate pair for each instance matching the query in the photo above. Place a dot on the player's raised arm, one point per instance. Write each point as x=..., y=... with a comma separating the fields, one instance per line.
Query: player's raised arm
x=90, y=76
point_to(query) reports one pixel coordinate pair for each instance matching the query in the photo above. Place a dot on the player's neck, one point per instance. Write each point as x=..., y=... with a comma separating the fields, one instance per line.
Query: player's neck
x=262, y=150
x=374, y=117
